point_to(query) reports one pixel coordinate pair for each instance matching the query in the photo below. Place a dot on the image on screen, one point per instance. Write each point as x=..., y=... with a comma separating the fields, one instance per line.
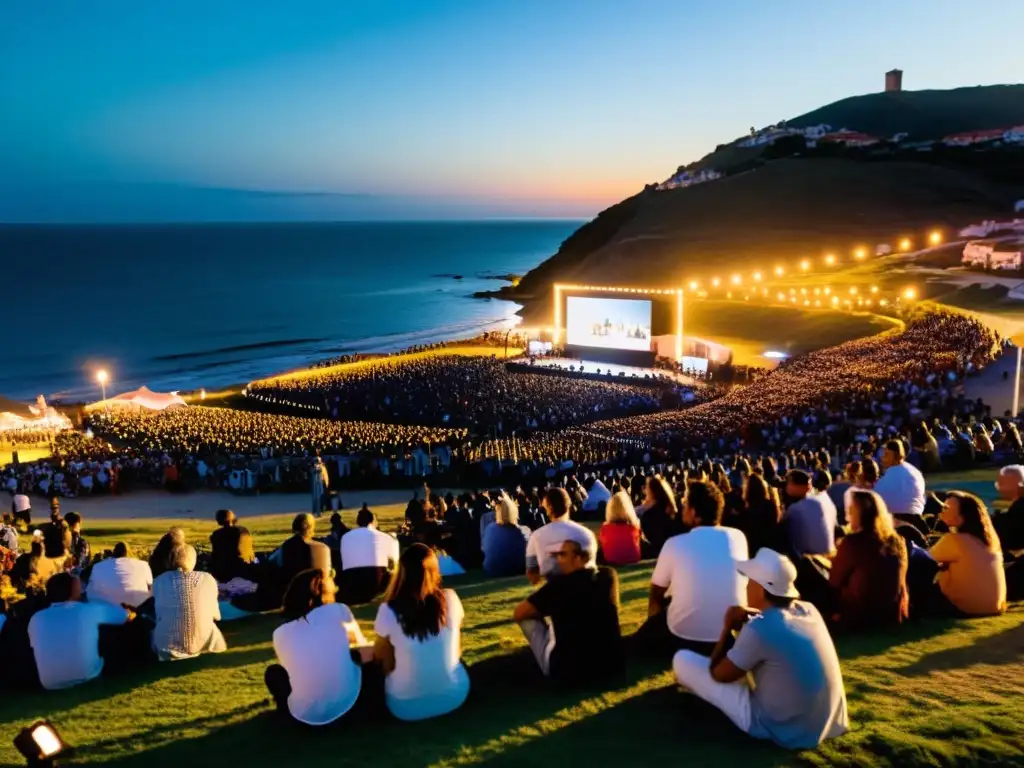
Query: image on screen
x=608, y=323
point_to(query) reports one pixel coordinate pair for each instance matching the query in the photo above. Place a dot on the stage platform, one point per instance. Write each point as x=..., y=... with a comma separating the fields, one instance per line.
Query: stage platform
x=592, y=366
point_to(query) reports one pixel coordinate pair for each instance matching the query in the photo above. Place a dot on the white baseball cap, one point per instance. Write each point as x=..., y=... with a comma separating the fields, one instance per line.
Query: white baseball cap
x=21, y=503
x=775, y=572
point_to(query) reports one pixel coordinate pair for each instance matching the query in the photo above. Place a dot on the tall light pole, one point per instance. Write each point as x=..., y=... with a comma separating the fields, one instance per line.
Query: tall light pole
x=1016, y=385
x=102, y=377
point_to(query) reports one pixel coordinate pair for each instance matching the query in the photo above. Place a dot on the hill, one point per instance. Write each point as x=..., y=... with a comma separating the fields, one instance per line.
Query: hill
x=785, y=209
x=923, y=114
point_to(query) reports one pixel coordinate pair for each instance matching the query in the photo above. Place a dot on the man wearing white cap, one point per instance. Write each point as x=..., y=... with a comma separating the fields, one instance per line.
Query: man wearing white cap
x=797, y=699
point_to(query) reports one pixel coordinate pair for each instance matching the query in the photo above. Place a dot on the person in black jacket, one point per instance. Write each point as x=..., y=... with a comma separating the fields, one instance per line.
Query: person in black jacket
x=660, y=520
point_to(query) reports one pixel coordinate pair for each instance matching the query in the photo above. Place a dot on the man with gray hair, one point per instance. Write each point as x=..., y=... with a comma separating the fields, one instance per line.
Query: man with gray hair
x=1009, y=525
x=572, y=622
x=186, y=609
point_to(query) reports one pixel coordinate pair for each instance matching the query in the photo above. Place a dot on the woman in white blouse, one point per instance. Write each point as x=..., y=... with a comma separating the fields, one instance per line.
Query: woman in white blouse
x=418, y=640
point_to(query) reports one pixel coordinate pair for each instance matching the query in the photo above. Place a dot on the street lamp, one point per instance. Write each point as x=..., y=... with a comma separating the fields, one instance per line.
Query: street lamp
x=102, y=377
x=935, y=237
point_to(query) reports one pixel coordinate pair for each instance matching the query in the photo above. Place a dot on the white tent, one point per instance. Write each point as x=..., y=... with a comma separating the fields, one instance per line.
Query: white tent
x=38, y=416
x=143, y=397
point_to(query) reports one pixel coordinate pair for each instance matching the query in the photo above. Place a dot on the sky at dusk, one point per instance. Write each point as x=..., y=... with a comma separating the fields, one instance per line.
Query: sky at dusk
x=121, y=109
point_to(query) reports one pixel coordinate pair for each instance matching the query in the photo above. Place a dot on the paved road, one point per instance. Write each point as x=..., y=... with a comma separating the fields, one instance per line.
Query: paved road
x=993, y=388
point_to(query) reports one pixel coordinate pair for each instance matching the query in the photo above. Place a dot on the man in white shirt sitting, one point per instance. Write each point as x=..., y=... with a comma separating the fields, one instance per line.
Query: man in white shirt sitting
x=368, y=557
x=540, y=563
x=121, y=579
x=902, y=486
x=65, y=637
x=698, y=570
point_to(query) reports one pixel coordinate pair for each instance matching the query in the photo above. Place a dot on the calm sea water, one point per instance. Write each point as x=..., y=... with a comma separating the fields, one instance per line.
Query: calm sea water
x=178, y=307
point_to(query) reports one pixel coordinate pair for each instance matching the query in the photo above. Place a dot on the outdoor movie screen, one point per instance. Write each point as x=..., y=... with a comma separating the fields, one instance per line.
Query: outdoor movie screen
x=608, y=323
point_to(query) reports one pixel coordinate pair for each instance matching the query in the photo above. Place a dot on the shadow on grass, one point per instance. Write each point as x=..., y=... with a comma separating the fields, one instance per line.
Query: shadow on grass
x=1004, y=648
x=850, y=647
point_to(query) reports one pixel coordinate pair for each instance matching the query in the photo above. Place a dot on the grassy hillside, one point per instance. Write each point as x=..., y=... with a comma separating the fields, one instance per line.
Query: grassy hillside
x=786, y=209
x=923, y=114
x=934, y=693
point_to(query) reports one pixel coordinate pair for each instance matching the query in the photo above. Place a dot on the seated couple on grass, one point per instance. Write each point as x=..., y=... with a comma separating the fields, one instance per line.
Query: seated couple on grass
x=326, y=669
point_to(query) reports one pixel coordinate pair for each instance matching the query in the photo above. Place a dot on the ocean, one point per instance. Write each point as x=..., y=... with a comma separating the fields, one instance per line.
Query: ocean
x=178, y=307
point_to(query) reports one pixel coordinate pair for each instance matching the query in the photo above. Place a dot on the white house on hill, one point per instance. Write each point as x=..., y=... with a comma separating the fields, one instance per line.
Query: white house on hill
x=991, y=254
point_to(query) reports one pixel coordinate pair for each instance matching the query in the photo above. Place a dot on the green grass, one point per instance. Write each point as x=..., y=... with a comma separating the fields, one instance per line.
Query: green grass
x=935, y=693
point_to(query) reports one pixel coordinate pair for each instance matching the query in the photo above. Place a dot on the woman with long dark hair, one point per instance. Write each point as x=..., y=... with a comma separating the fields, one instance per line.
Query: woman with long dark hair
x=660, y=520
x=418, y=640
x=317, y=680
x=762, y=512
x=971, y=579
x=869, y=572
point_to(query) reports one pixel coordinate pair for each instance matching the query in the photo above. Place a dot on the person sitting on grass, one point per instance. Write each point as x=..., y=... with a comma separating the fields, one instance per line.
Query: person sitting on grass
x=797, y=699
x=810, y=520
x=65, y=637
x=1009, y=525
x=660, y=519
x=185, y=602
x=367, y=559
x=540, y=563
x=698, y=570
x=121, y=579
x=231, y=549
x=869, y=572
x=505, y=541
x=319, y=674
x=160, y=557
x=619, y=536
x=902, y=486
x=971, y=580
x=418, y=640
x=572, y=622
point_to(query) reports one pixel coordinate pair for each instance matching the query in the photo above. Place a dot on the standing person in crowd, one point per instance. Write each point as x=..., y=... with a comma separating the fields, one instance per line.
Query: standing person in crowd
x=504, y=543
x=540, y=563
x=572, y=622
x=231, y=549
x=869, y=572
x=418, y=640
x=798, y=699
x=810, y=520
x=65, y=637
x=971, y=579
x=695, y=578
x=761, y=515
x=902, y=486
x=367, y=558
x=121, y=579
x=660, y=519
x=319, y=675
x=186, y=610
x=319, y=483
x=21, y=508
x=78, y=550
x=619, y=536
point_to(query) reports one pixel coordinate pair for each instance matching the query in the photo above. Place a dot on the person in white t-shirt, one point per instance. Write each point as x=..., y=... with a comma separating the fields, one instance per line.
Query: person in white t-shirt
x=318, y=679
x=540, y=563
x=65, y=637
x=902, y=485
x=418, y=642
x=367, y=558
x=695, y=578
x=121, y=579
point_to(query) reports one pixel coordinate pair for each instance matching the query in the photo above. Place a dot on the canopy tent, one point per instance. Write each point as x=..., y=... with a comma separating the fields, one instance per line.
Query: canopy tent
x=31, y=417
x=143, y=397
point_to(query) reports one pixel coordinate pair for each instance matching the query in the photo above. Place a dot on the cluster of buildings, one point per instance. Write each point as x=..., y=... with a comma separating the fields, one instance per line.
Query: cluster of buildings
x=684, y=178
x=994, y=254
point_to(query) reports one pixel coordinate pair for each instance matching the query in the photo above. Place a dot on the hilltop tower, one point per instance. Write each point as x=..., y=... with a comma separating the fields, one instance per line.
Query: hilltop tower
x=894, y=80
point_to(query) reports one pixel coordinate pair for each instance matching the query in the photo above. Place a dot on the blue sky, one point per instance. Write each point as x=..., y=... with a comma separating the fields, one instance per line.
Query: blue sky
x=460, y=108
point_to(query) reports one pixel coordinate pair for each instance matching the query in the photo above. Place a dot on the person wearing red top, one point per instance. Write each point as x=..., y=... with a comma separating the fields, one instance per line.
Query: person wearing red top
x=869, y=572
x=619, y=537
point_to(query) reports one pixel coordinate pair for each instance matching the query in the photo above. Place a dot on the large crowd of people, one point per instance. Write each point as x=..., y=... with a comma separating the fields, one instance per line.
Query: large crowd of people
x=476, y=393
